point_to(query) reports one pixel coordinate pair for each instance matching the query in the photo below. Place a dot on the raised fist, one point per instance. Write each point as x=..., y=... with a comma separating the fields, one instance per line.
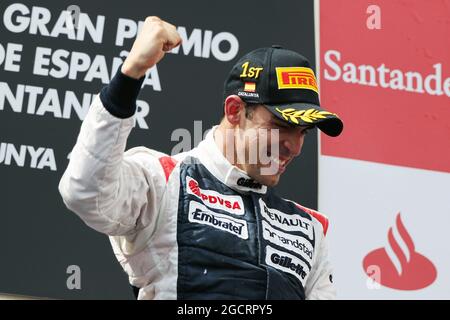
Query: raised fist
x=153, y=41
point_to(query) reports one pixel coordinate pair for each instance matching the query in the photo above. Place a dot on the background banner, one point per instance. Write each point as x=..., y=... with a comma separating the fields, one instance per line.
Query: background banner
x=54, y=58
x=385, y=183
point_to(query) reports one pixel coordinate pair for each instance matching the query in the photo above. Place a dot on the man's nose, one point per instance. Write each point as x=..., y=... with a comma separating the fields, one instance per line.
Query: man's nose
x=294, y=143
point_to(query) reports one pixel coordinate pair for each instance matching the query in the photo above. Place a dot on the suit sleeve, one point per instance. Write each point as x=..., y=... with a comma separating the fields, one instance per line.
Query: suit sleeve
x=112, y=191
x=319, y=285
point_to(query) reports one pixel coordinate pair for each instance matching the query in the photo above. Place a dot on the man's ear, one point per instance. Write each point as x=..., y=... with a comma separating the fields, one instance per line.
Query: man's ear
x=234, y=107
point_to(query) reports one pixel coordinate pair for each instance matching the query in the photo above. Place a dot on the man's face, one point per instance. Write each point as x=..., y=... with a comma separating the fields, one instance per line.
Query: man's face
x=269, y=145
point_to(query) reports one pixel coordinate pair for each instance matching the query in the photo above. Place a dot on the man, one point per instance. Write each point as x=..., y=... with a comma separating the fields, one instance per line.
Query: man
x=205, y=224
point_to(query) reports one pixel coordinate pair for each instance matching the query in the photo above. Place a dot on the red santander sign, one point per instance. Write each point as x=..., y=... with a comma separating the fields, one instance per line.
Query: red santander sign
x=399, y=265
x=391, y=86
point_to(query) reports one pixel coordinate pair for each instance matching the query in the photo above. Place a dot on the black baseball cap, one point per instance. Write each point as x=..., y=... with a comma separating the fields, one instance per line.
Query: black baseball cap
x=284, y=82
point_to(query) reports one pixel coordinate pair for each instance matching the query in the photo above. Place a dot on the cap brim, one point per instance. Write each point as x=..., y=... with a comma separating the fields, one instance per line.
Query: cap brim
x=307, y=114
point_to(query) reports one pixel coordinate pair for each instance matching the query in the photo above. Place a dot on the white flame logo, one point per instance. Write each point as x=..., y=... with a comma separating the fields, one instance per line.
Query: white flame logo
x=400, y=264
x=401, y=246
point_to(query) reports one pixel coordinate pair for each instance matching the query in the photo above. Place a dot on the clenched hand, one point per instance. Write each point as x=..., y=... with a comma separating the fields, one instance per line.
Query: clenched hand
x=153, y=41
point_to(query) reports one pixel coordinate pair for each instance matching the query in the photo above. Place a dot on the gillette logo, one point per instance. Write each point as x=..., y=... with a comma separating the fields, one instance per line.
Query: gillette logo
x=286, y=262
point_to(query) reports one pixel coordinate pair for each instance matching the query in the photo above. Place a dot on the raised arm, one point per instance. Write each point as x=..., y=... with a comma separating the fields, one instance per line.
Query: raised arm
x=108, y=188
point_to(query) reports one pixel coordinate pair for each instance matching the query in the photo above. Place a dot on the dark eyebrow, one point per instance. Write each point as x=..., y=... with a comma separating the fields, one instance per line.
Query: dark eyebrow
x=280, y=123
x=288, y=125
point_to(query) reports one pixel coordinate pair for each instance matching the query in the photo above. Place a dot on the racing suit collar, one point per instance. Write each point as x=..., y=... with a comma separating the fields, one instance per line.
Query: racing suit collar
x=223, y=170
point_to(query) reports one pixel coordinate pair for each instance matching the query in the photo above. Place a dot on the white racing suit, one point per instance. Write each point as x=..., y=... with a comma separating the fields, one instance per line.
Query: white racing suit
x=192, y=226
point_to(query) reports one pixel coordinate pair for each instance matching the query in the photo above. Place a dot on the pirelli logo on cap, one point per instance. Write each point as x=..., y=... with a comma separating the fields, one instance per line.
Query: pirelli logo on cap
x=296, y=78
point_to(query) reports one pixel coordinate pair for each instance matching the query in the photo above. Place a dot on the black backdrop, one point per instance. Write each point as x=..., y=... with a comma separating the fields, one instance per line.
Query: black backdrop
x=39, y=237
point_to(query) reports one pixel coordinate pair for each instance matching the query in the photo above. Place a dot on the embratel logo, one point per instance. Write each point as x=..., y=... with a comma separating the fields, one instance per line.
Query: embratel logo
x=198, y=213
x=296, y=78
x=399, y=265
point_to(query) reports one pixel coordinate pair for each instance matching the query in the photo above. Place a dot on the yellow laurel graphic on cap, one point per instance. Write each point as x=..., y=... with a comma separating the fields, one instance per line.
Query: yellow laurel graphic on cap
x=309, y=116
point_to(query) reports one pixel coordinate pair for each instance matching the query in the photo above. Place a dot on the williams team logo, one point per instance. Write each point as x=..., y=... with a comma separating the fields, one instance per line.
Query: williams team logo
x=213, y=199
x=296, y=78
x=199, y=213
x=399, y=265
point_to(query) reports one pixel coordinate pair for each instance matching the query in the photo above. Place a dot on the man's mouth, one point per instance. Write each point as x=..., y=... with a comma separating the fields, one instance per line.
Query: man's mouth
x=281, y=163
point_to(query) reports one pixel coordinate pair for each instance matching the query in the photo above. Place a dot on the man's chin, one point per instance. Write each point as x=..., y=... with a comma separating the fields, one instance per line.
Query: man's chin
x=269, y=180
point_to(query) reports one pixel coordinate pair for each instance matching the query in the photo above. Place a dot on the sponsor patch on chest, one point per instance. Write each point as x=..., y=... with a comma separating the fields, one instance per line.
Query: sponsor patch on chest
x=287, y=222
x=214, y=199
x=199, y=213
x=286, y=262
x=293, y=243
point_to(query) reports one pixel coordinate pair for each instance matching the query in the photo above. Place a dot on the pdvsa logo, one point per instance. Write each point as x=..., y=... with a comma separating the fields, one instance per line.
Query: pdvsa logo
x=399, y=265
x=230, y=203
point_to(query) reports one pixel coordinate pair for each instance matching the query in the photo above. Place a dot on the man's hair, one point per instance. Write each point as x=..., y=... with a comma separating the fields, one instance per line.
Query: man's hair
x=249, y=109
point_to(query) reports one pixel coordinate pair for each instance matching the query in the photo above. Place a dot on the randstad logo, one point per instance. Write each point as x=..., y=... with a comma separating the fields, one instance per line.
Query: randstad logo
x=399, y=265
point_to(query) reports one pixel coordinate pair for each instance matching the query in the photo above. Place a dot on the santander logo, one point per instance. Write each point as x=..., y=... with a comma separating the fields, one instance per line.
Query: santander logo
x=400, y=266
